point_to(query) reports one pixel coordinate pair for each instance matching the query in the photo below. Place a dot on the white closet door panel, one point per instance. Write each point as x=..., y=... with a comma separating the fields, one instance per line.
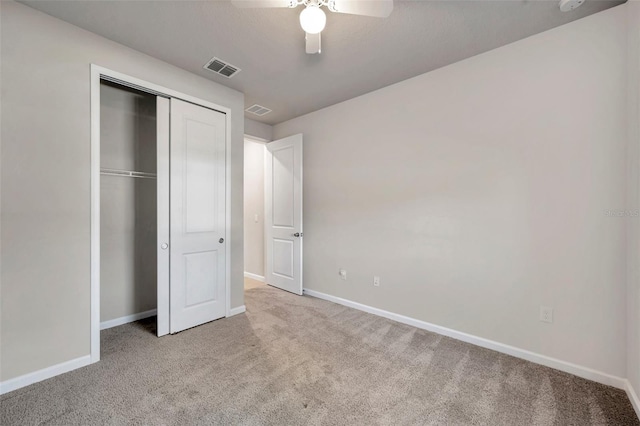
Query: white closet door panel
x=200, y=268
x=197, y=215
x=200, y=184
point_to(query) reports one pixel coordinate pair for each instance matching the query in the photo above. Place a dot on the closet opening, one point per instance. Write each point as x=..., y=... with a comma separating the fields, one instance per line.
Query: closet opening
x=128, y=206
x=160, y=248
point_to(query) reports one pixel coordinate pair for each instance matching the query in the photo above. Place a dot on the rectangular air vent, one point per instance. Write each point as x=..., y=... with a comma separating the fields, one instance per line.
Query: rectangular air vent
x=258, y=110
x=221, y=67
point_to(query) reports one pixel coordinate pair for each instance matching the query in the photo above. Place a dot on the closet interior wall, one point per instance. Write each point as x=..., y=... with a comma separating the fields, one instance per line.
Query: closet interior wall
x=128, y=208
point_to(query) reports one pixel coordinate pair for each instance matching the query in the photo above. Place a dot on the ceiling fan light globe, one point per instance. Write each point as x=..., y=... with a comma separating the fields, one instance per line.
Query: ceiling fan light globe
x=313, y=19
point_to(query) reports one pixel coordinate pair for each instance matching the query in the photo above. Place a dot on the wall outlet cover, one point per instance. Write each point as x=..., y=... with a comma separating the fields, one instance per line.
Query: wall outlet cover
x=546, y=314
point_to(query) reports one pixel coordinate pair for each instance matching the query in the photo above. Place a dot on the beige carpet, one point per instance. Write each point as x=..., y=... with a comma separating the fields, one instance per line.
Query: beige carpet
x=251, y=283
x=294, y=360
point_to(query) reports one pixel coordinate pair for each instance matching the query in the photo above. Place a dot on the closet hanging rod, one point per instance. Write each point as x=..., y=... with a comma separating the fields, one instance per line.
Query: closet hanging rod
x=127, y=173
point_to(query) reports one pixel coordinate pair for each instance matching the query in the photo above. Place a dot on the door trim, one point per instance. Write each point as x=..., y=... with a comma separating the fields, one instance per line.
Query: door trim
x=98, y=73
x=268, y=210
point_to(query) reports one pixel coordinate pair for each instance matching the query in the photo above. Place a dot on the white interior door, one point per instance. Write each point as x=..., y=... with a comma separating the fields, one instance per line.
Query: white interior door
x=283, y=214
x=197, y=246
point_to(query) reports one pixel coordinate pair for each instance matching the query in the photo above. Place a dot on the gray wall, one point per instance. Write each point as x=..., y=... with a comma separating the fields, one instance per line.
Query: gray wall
x=254, y=205
x=478, y=192
x=45, y=180
x=633, y=234
x=258, y=130
x=128, y=206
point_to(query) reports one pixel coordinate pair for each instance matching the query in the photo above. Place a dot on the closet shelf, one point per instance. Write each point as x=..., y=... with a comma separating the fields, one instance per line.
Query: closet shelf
x=127, y=173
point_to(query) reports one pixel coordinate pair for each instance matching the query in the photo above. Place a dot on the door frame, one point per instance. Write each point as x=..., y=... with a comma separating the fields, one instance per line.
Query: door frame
x=246, y=274
x=100, y=73
x=268, y=209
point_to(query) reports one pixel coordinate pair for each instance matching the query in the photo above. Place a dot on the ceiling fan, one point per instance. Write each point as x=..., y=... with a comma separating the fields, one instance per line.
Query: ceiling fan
x=313, y=18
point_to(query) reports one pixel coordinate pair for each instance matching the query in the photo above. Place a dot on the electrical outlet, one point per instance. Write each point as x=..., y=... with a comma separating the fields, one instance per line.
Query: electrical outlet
x=546, y=314
x=343, y=274
x=376, y=281
x=255, y=218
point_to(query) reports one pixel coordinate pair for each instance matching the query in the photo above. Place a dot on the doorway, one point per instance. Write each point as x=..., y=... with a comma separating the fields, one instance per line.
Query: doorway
x=254, y=257
x=273, y=235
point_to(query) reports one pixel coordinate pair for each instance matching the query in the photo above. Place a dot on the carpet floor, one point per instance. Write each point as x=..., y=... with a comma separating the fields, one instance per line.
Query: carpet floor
x=294, y=360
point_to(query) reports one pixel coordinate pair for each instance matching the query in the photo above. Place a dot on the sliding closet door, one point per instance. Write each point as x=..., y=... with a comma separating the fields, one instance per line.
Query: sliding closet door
x=197, y=293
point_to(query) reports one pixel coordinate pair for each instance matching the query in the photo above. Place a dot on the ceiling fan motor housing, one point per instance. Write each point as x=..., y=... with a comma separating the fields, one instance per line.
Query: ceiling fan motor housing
x=569, y=5
x=313, y=18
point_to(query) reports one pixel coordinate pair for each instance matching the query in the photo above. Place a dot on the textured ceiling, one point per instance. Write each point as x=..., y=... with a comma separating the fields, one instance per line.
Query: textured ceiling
x=359, y=54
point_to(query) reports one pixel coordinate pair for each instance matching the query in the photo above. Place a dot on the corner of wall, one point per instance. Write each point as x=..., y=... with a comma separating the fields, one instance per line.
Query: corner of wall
x=258, y=130
x=633, y=203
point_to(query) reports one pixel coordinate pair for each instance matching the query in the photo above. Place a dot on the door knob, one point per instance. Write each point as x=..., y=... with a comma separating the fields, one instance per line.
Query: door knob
x=298, y=234
x=221, y=240
x=164, y=246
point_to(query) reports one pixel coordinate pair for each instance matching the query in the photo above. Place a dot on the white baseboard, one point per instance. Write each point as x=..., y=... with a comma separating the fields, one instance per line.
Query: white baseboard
x=567, y=367
x=236, y=311
x=254, y=276
x=45, y=373
x=633, y=397
x=127, y=319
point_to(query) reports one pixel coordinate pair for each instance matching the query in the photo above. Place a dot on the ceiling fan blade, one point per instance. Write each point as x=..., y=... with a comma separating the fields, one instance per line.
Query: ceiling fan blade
x=375, y=8
x=313, y=44
x=243, y=4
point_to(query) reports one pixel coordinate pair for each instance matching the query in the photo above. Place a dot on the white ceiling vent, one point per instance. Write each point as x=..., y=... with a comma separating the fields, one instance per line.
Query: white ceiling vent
x=258, y=110
x=221, y=67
